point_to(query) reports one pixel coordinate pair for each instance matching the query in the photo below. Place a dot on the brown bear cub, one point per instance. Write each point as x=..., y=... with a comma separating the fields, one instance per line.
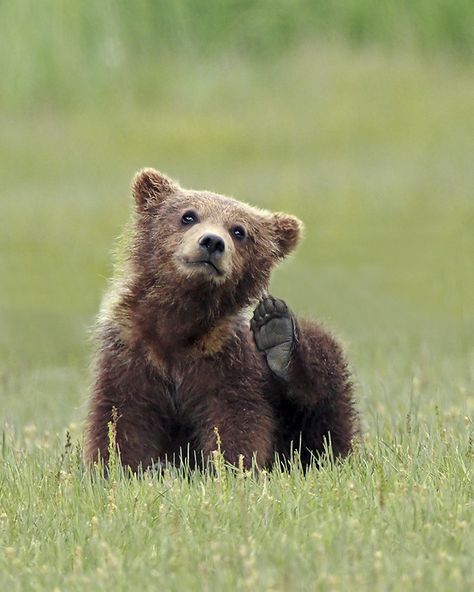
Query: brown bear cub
x=189, y=341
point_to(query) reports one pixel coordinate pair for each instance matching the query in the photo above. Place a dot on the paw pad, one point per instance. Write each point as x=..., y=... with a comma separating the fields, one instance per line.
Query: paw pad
x=274, y=332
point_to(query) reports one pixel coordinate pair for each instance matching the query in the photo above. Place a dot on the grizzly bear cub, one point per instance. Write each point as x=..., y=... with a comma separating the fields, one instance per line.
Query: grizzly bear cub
x=189, y=341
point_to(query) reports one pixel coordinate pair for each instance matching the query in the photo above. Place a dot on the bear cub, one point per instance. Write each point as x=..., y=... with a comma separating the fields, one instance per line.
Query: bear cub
x=189, y=341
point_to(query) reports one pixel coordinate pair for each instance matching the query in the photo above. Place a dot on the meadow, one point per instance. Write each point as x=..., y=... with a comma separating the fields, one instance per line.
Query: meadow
x=368, y=137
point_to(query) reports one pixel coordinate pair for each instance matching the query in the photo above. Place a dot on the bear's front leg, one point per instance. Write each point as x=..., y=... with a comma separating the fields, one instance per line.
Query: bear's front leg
x=245, y=424
x=303, y=355
x=125, y=397
x=319, y=403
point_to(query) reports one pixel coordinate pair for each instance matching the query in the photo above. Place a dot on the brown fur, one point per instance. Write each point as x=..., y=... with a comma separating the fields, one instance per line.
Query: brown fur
x=176, y=356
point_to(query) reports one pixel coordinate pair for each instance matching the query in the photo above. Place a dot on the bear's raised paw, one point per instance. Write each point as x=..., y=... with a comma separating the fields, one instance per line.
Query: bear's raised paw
x=273, y=328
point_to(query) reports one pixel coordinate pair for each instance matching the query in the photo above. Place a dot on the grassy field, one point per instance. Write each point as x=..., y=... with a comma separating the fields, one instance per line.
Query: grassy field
x=372, y=147
x=72, y=52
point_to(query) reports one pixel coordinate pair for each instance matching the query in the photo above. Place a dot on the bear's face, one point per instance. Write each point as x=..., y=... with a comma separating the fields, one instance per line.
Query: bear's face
x=208, y=240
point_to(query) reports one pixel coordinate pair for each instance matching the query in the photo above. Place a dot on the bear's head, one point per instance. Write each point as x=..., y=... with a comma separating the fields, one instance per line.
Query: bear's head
x=204, y=245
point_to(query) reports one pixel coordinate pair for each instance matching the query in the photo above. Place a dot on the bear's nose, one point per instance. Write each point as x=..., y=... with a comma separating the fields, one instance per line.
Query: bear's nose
x=212, y=243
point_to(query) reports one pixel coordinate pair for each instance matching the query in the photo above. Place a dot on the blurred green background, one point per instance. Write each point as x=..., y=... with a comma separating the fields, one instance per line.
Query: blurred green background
x=357, y=116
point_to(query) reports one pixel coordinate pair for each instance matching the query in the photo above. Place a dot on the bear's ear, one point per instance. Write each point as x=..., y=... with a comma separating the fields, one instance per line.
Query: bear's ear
x=150, y=187
x=287, y=231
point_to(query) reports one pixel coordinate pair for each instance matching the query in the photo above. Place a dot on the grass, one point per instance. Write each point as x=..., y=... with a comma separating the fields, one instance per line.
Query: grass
x=72, y=52
x=397, y=517
x=372, y=150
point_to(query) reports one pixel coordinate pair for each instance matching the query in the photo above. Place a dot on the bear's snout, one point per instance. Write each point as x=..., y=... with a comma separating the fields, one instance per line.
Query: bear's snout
x=212, y=244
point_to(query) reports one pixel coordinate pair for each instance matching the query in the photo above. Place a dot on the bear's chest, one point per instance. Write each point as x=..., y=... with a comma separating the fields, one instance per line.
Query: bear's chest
x=191, y=382
x=195, y=383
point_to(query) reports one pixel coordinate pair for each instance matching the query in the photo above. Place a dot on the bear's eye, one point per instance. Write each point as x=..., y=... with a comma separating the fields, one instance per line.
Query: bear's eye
x=238, y=232
x=189, y=217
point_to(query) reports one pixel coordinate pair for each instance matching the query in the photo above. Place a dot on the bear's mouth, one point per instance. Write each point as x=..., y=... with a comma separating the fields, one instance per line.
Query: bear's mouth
x=207, y=264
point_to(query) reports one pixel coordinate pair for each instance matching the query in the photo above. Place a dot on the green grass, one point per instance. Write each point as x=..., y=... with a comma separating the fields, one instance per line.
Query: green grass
x=72, y=51
x=397, y=516
x=373, y=150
